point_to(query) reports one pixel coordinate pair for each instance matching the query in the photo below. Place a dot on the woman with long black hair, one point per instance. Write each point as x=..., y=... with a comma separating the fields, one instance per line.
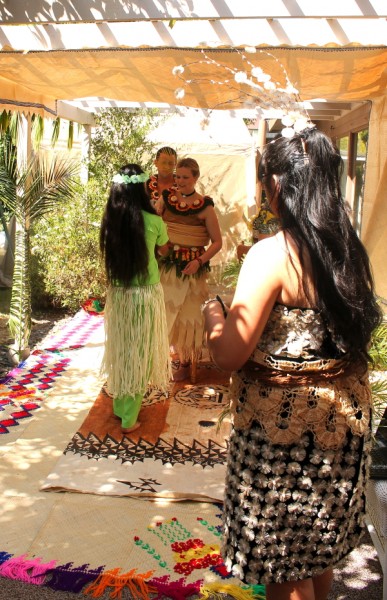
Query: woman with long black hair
x=296, y=338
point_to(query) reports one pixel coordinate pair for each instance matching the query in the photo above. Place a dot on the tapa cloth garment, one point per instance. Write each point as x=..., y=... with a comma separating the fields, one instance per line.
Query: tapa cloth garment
x=183, y=299
x=298, y=454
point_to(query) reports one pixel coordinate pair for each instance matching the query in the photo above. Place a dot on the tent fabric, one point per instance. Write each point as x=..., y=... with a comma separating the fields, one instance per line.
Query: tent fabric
x=35, y=81
x=145, y=74
x=375, y=205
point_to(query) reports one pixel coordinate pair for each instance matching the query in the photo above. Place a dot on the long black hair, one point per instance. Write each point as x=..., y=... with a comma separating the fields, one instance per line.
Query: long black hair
x=311, y=208
x=122, y=234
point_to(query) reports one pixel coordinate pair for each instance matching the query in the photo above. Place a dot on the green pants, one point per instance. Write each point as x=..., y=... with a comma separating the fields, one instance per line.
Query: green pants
x=127, y=408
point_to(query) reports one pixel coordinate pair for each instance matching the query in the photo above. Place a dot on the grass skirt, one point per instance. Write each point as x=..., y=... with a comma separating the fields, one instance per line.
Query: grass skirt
x=183, y=299
x=136, y=340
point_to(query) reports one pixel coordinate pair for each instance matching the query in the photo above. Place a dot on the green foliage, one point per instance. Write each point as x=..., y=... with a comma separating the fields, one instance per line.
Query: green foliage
x=378, y=350
x=230, y=273
x=67, y=264
x=120, y=138
x=66, y=252
x=29, y=193
x=378, y=354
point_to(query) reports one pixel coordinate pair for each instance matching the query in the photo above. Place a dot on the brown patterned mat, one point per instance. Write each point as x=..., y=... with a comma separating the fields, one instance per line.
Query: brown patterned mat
x=178, y=452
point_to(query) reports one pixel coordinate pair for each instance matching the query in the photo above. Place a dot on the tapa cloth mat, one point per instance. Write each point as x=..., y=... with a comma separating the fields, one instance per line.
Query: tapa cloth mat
x=179, y=452
x=148, y=549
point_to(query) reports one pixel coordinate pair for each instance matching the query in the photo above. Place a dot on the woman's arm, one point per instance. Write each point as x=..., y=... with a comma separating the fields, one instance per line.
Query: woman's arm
x=164, y=249
x=212, y=225
x=232, y=340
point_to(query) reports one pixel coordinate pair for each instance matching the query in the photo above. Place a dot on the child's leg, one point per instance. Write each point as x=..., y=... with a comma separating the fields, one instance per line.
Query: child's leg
x=127, y=409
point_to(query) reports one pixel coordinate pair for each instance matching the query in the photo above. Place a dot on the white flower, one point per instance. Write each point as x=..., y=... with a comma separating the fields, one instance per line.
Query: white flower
x=240, y=76
x=287, y=120
x=250, y=49
x=256, y=72
x=300, y=124
x=178, y=70
x=179, y=93
x=263, y=77
x=290, y=89
x=269, y=85
x=287, y=132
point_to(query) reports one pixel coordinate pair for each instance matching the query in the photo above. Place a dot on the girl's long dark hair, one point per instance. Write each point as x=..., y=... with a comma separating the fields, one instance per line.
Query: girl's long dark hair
x=122, y=235
x=311, y=208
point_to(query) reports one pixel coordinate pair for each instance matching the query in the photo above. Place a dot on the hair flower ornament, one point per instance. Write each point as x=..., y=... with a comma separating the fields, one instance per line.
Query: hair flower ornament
x=266, y=86
x=137, y=178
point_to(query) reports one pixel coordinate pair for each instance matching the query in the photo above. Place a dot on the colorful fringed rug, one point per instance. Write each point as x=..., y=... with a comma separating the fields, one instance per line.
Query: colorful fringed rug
x=178, y=452
x=24, y=388
x=160, y=551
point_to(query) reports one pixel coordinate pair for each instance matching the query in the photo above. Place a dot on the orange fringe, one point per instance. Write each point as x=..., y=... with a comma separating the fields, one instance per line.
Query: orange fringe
x=135, y=582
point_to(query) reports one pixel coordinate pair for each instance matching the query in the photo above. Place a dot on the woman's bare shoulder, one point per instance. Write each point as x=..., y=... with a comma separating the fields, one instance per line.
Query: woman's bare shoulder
x=271, y=249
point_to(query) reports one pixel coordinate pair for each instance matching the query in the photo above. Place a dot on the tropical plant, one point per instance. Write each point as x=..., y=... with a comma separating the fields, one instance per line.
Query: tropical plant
x=75, y=271
x=378, y=354
x=120, y=137
x=29, y=192
x=68, y=276
x=10, y=122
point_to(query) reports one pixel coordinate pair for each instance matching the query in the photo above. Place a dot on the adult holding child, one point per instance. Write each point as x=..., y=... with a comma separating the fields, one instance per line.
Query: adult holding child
x=136, y=338
x=195, y=238
x=296, y=337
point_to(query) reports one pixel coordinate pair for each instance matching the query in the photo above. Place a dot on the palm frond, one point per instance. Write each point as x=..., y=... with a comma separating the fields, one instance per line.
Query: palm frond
x=8, y=172
x=70, y=137
x=49, y=179
x=55, y=131
x=4, y=121
x=14, y=125
x=37, y=131
x=378, y=349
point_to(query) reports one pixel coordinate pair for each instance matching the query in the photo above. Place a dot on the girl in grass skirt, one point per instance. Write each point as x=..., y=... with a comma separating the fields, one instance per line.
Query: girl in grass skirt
x=136, y=338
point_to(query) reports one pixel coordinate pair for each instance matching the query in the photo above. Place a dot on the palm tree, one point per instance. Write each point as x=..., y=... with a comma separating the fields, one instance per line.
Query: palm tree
x=29, y=193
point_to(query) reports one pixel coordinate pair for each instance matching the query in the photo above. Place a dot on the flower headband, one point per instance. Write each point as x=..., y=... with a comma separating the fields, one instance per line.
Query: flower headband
x=138, y=178
x=248, y=86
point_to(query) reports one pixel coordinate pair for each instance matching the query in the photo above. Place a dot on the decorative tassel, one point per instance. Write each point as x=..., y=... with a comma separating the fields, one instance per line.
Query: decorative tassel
x=258, y=591
x=176, y=590
x=30, y=571
x=67, y=578
x=4, y=556
x=136, y=584
x=216, y=590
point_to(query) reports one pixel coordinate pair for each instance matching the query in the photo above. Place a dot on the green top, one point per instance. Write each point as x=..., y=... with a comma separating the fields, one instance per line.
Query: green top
x=155, y=235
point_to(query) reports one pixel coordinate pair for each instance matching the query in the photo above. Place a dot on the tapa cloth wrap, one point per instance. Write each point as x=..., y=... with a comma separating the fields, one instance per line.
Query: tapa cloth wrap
x=288, y=398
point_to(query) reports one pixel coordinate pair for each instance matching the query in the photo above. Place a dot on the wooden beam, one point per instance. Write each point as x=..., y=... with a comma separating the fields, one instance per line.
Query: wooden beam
x=76, y=11
x=72, y=113
x=355, y=120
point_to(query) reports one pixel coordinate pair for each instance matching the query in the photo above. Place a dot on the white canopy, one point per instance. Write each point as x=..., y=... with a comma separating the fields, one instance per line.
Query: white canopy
x=54, y=52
